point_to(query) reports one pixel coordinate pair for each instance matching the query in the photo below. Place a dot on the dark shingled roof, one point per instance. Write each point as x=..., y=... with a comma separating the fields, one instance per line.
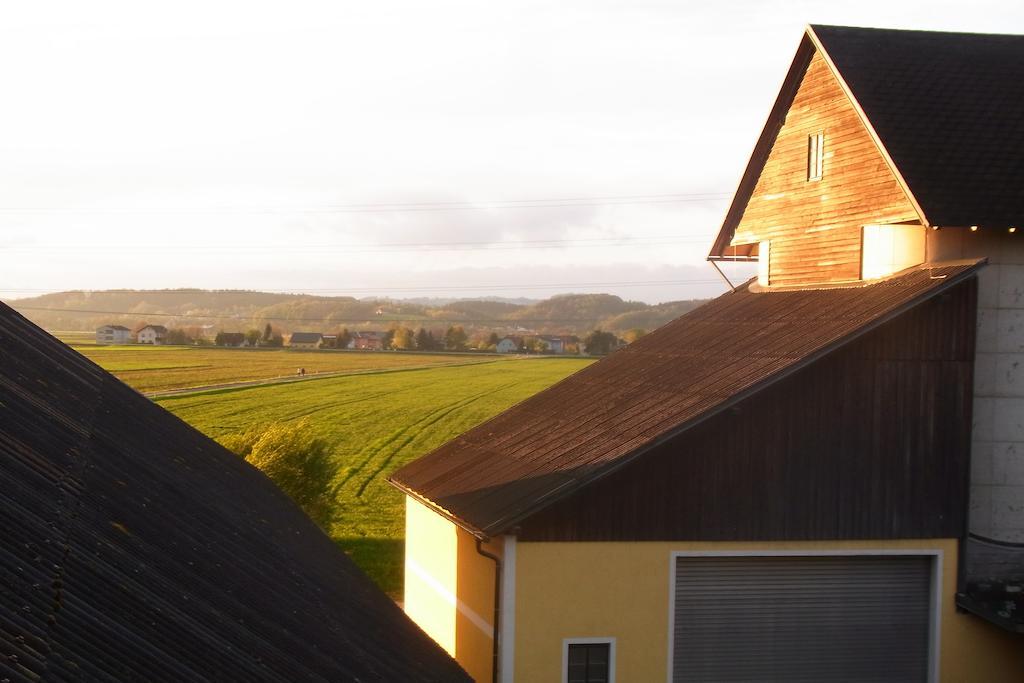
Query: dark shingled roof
x=134, y=548
x=600, y=418
x=305, y=338
x=947, y=108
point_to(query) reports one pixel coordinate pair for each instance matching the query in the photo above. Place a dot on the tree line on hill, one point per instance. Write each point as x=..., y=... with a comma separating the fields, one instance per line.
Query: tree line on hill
x=191, y=309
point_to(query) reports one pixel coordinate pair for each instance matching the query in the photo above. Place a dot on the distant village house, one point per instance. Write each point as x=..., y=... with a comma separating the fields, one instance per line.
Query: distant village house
x=509, y=345
x=152, y=334
x=305, y=340
x=367, y=341
x=230, y=339
x=113, y=334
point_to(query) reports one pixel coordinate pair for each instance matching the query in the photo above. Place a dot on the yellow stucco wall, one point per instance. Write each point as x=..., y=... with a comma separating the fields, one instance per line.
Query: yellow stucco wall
x=621, y=590
x=449, y=587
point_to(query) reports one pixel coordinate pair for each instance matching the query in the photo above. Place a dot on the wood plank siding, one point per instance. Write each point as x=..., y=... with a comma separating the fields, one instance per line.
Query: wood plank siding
x=815, y=225
x=871, y=441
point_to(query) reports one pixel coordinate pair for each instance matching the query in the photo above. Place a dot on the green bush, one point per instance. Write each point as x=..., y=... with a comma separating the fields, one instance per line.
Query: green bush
x=295, y=460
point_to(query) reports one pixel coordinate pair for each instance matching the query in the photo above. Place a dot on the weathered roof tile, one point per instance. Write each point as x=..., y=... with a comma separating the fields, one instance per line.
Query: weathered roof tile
x=598, y=419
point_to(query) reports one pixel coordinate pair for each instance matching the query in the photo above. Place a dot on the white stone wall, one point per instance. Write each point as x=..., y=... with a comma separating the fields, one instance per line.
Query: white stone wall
x=997, y=449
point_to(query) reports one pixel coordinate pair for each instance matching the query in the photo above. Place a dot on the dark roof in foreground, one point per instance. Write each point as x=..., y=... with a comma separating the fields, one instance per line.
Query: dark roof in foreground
x=134, y=548
x=946, y=106
x=602, y=417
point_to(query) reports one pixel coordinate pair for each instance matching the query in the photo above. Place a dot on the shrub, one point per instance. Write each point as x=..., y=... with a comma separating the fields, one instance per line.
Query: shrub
x=295, y=460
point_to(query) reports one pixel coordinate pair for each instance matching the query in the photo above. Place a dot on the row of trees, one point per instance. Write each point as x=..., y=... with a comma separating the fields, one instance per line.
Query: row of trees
x=402, y=338
x=405, y=339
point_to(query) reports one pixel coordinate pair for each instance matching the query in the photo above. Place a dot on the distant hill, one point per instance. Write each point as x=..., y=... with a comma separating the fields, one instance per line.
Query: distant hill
x=233, y=310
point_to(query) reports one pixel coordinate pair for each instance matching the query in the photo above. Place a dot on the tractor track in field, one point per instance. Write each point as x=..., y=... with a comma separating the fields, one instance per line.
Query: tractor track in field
x=404, y=436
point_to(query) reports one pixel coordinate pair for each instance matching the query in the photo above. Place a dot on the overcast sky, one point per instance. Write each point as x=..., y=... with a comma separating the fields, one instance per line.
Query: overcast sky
x=393, y=148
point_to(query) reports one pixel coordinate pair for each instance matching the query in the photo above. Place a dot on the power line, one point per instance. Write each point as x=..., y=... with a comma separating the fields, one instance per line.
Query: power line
x=574, y=240
x=397, y=207
x=364, y=248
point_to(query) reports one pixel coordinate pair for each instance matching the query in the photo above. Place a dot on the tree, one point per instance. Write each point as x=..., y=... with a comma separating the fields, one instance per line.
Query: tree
x=344, y=338
x=493, y=339
x=599, y=343
x=455, y=338
x=252, y=337
x=176, y=335
x=196, y=333
x=268, y=333
x=403, y=339
x=424, y=342
x=632, y=335
x=276, y=340
x=535, y=345
x=295, y=460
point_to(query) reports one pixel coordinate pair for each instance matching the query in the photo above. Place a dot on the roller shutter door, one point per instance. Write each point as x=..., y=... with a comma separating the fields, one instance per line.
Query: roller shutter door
x=835, y=618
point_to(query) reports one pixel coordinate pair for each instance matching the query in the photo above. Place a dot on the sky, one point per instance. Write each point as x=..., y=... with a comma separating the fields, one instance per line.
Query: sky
x=398, y=149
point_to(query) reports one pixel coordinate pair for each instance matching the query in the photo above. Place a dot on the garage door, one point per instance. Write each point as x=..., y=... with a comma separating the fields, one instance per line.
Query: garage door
x=835, y=618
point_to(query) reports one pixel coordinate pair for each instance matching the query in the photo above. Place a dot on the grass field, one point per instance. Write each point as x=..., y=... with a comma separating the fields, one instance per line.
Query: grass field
x=374, y=424
x=160, y=368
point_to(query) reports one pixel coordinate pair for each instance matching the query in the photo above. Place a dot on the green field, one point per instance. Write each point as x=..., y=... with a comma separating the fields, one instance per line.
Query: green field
x=160, y=368
x=374, y=424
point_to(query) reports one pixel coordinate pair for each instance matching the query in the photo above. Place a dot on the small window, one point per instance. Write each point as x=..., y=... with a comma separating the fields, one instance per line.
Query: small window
x=815, y=156
x=589, y=660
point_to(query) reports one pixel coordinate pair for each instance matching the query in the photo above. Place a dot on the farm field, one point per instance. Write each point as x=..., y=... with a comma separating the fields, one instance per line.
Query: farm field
x=161, y=368
x=373, y=424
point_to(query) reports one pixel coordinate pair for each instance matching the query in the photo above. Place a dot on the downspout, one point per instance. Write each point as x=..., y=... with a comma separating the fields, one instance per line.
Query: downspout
x=497, y=607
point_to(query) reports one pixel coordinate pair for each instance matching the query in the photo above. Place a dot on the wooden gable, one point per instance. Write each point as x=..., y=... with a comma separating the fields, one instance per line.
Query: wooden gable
x=814, y=226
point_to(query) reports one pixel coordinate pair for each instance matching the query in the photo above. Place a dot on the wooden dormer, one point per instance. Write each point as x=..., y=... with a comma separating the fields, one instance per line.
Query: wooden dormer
x=876, y=137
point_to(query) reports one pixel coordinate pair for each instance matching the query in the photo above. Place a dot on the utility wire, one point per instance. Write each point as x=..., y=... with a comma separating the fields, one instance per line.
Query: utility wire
x=398, y=207
x=385, y=247
x=327, y=248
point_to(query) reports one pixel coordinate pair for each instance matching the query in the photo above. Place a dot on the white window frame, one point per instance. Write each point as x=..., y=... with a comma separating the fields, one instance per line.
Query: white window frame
x=610, y=641
x=934, y=621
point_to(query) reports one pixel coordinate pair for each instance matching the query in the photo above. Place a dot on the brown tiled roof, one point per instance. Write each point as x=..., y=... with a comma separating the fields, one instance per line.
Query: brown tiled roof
x=602, y=417
x=947, y=108
x=134, y=548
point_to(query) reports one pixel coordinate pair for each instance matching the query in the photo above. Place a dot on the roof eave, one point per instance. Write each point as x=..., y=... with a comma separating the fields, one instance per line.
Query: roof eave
x=454, y=519
x=765, y=142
